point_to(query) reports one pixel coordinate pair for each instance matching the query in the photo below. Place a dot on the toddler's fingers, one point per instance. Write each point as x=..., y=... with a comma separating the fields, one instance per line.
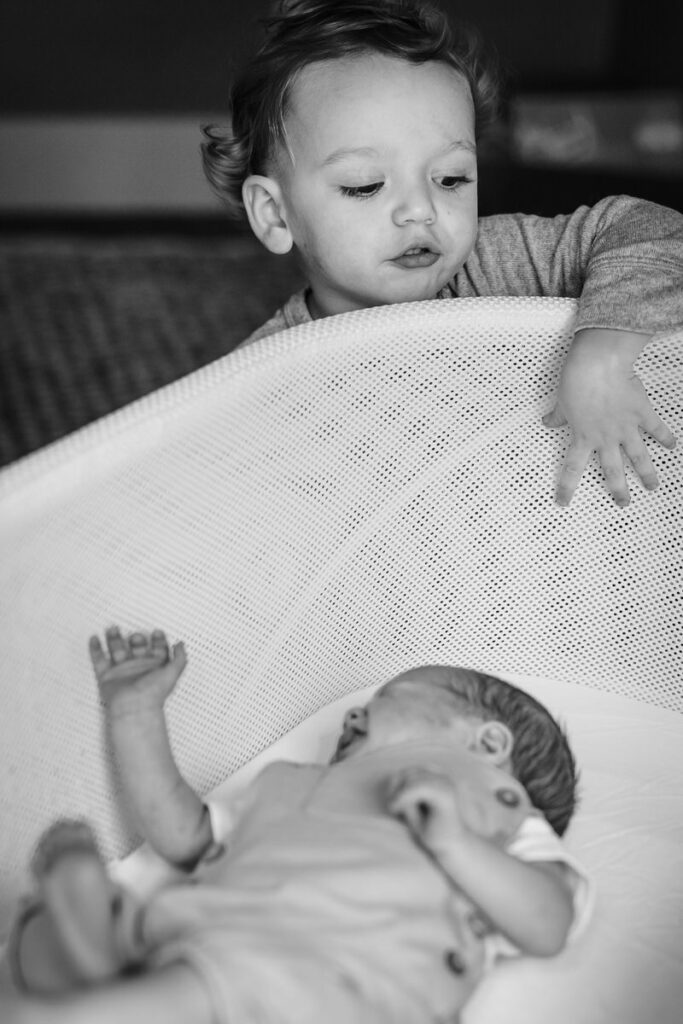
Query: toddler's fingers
x=613, y=472
x=572, y=471
x=639, y=458
x=118, y=648
x=658, y=429
x=554, y=418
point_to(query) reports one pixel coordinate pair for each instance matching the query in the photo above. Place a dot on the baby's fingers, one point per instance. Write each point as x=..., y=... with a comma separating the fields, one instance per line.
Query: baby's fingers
x=138, y=644
x=405, y=780
x=118, y=648
x=100, y=660
x=419, y=799
x=159, y=644
x=178, y=661
x=413, y=806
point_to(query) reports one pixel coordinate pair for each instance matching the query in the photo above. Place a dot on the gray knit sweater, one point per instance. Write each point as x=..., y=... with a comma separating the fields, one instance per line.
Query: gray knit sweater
x=622, y=259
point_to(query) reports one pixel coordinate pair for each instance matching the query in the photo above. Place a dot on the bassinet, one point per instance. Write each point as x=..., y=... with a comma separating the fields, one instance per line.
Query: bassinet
x=324, y=508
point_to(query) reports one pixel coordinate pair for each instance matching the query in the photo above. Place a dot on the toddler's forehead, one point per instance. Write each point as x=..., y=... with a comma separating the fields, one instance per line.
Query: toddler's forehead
x=343, y=91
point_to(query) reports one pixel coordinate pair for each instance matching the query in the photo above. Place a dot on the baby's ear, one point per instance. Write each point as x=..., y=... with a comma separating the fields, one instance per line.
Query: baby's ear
x=262, y=198
x=495, y=741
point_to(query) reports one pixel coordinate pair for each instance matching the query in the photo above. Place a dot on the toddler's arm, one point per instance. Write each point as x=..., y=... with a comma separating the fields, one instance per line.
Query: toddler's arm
x=135, y=676
x=623, y=260
x=531, y=904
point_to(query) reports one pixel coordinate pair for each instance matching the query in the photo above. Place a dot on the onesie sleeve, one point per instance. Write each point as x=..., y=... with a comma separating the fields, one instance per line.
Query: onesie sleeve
x=536, y=841
x=232, y=800
x=224, y=811
x=622, y=259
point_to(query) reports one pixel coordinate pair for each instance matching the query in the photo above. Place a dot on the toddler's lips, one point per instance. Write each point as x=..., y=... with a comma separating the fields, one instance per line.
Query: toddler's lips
x=418, y=256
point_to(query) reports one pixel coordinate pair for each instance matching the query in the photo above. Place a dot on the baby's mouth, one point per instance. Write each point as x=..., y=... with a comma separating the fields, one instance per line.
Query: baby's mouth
x=343, y=746
x=347, y=741
x=415, y=257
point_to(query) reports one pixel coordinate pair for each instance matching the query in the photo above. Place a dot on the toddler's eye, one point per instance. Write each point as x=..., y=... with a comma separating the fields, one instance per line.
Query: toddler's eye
x=451, y=182
x=361, y=191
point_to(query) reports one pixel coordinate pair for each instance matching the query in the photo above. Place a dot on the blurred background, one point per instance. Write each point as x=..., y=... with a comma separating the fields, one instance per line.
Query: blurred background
x=119, y=271
x=101, y=102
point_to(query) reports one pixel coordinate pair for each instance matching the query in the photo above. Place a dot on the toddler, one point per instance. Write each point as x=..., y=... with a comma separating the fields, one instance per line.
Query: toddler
x=377, y=888
x=353, y=140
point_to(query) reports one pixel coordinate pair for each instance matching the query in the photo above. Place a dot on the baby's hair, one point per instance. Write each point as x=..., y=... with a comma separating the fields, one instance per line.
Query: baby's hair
x=309, y=31
x=542, y=759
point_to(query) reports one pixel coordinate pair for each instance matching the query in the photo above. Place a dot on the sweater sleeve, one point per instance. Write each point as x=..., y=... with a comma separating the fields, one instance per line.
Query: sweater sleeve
x=622, y=259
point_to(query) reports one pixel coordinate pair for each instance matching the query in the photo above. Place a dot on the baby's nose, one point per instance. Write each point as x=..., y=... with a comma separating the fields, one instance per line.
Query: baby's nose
x=355, y=718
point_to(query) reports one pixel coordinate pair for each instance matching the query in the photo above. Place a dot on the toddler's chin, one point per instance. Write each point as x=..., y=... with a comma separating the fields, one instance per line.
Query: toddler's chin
x=416, y=290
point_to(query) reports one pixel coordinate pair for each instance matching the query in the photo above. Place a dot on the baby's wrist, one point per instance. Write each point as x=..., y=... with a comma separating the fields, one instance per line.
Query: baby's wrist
x=126, y=705
x=455, y=854
x=450, y=842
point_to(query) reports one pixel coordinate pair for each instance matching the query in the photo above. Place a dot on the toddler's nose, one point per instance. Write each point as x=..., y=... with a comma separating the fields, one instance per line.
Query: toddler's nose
x=415, y=206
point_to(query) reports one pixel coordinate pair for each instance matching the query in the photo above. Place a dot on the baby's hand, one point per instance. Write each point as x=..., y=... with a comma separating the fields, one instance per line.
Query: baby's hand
x=136, y=673
x=425, y=801
x=605, y=404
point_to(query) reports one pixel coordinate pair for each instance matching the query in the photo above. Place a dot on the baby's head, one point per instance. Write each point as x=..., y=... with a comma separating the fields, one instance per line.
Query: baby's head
x=488, y=716
x=353, y=139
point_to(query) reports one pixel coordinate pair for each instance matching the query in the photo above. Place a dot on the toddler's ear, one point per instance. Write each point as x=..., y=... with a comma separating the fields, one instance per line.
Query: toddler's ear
x=495, y=741
x=262, y=198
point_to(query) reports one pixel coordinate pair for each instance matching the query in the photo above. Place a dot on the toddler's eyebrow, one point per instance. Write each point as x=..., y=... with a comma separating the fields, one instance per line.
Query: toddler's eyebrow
x=340, y=154
x=461, y=144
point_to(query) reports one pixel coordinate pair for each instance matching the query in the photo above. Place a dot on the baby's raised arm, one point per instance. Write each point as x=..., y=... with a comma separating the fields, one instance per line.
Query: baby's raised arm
x=135, y=675
x=530, y=904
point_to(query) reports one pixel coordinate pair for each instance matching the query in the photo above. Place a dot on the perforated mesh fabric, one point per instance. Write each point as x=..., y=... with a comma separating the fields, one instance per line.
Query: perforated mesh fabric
x=311, y=515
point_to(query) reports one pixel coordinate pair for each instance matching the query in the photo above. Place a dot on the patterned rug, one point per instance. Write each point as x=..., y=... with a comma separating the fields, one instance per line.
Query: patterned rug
x=89, y=324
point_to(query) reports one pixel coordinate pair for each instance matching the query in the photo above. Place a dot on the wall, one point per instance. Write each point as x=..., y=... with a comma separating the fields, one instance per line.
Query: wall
x=101, y=99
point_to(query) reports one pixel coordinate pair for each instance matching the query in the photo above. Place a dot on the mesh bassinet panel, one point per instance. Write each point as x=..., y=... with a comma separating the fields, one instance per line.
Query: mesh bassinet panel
x=312, y=514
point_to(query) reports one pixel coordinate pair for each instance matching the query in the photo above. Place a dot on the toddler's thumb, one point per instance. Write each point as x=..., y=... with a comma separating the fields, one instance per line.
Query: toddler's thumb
x=554, y=418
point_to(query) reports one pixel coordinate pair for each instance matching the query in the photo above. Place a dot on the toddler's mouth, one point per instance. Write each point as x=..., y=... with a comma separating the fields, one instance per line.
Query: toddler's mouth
x=415, y=257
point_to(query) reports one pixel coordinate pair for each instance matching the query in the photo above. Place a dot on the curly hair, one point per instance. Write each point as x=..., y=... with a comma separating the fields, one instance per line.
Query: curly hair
x=542, y=760
x=304, y=32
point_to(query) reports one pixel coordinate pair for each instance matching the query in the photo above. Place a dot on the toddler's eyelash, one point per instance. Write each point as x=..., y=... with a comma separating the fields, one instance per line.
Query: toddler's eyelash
x=361, y=191
x=368, y=191
x=457, y=182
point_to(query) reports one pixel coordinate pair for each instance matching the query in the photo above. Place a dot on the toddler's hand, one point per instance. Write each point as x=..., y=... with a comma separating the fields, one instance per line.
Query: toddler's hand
x=425, y=801
x=137, y=672
x=605, y=404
